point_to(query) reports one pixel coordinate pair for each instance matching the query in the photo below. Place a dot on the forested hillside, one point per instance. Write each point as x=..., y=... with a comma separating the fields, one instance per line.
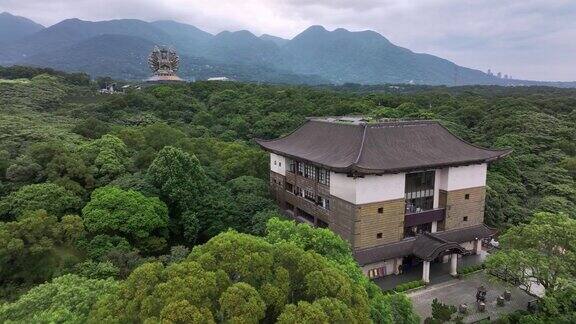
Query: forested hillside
x=153, y=204
x=119, y=48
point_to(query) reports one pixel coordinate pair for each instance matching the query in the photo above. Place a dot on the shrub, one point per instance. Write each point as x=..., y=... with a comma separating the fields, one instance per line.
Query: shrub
x=409, y=285
x=441, y=311
x=471, y=269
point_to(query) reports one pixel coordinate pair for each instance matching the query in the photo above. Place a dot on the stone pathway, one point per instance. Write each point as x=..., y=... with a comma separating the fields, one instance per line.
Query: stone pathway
x=459, y=291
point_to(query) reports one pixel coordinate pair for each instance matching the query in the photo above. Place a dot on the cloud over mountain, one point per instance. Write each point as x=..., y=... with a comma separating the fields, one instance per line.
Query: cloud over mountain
x=528, y=39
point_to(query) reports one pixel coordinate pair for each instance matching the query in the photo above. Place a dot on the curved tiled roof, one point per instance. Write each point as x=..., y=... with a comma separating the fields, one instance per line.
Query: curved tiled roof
x=385, y=147
x=426, y=246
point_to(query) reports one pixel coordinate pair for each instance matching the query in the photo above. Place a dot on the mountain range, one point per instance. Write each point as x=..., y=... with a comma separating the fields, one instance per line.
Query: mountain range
x=119, y=48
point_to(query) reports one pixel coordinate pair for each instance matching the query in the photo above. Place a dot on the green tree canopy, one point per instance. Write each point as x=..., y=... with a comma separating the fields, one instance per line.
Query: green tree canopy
x=249, y=185
x=66, y=299
x=160, y=135
x=556, y=307
x=108, y=156
x=241, y=303
x=37, y=246
x=303, y=312
x=50, y=197
x=179, y=177
x=235, y=277
x=543, y=250
x=91, y=128
x=127, y=213
x=320, y=240
x=384, y=309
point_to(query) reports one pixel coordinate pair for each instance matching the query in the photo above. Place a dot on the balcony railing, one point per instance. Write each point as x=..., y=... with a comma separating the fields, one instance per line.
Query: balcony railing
x=423, y=217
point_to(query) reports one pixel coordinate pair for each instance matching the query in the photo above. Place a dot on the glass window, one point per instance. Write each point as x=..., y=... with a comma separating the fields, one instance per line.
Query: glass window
x=309, y=195
x=310, y=171
x=323, y=202
x=324, y=176
x=291, y=165
x=419, y=191
x=300, y=168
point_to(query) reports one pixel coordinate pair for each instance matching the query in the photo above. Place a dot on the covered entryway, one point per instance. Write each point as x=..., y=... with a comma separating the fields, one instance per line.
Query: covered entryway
x=426, y=256
x=428, y=247
x=439, y=272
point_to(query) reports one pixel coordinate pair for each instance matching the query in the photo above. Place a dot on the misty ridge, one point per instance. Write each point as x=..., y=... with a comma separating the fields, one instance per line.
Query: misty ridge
x=119, y=48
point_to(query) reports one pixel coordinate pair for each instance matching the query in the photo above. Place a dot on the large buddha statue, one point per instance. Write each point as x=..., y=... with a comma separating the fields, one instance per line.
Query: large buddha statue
x=163, y=62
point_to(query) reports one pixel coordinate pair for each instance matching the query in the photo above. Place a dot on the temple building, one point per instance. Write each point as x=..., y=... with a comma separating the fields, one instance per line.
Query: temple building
x=401, y=192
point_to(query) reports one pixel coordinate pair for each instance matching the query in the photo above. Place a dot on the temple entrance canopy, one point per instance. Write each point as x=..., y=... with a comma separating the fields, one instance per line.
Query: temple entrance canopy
x=428, y=247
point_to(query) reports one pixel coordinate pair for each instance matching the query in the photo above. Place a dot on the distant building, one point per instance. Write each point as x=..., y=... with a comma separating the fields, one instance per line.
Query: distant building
x=219, y=79
x=403, y=193
x=108, y=89
x=163, y=62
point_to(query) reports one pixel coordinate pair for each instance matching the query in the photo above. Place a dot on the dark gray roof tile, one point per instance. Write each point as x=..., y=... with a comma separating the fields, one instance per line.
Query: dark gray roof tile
x=425, y=246
x=385, y=147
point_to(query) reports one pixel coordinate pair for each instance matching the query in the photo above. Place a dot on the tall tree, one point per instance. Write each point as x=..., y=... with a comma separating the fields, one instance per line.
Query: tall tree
x=179, y=177
x=66, y=299
x=235, y=278
x=543, y=251
x=38, y=246
x=50, y=197
x=141, y=219
x=241, y=303
x=108, y=156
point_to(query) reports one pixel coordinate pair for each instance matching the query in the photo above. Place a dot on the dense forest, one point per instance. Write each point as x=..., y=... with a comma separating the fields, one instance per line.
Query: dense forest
x=152, y=204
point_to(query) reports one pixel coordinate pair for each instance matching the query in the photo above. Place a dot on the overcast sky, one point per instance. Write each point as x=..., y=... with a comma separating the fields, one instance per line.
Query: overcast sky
x=528, y=39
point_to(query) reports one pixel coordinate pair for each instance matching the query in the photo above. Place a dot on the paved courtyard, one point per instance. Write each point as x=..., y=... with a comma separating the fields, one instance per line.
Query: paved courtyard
x=459, y=291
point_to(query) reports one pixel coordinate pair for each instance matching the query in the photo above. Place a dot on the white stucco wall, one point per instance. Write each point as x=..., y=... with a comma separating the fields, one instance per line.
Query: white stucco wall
x=374, y=188
x=469, y=176
x=368, y=189
x=278, y=164
x=343, y=187
x=380, y=188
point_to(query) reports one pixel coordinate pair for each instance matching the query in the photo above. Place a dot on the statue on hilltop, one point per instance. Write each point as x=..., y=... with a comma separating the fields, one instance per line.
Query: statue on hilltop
x=163, y=62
